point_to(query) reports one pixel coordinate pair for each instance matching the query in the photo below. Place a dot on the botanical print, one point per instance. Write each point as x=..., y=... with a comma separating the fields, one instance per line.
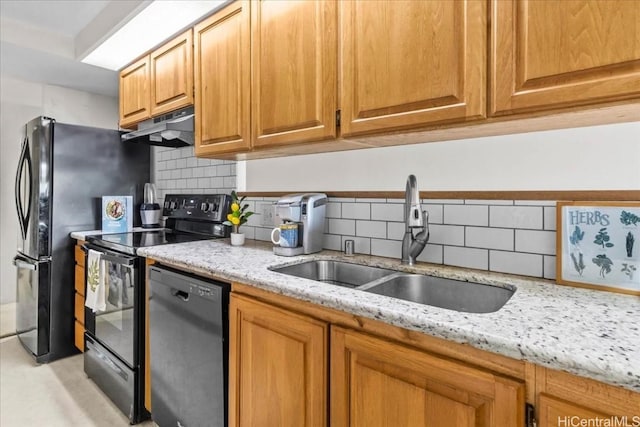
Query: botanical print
x=597, y=244
x=628, y=269
x=576, y=253
x=602, y=238
x=628, y=218
x=604, y=263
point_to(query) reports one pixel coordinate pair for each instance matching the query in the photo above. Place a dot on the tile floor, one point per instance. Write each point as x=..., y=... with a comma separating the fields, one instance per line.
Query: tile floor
x=7, y=319
x=56, y=394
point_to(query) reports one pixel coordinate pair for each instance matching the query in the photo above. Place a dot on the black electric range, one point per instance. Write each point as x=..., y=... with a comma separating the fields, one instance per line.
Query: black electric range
x=114, y=355
x=190, y=217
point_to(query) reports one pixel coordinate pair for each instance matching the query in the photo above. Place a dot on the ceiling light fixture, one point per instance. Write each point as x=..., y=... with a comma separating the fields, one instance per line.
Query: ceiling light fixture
x=153, y=25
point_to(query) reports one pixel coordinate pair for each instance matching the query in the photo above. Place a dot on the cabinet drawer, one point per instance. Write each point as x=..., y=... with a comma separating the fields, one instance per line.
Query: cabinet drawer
x=79, y=256
x=79, y=336
x=79, y=308
x=79, y=280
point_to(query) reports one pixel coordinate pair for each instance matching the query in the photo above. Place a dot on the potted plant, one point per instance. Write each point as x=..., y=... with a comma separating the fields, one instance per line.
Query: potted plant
x=238, y=215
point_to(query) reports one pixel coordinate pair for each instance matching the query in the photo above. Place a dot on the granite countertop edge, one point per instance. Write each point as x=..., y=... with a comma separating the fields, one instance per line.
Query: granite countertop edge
x=589, y=333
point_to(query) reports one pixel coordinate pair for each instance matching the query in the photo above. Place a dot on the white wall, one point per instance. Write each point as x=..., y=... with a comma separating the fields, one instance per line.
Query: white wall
x=591, y=158
x=21, y=101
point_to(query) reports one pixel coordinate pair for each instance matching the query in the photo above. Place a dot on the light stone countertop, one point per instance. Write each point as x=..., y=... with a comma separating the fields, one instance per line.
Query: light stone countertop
x=589, y=333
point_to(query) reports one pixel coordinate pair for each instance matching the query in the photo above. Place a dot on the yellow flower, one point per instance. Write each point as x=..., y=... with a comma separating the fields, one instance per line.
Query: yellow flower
x=235, y=221
x=235, y=207
x=230, y=217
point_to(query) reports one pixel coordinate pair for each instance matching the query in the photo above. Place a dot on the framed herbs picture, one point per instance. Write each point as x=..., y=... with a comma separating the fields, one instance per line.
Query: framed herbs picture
x=598, y=245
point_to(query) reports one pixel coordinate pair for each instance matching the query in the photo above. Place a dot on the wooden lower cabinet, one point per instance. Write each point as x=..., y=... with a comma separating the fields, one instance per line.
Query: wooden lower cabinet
x=375, y=382
x=79, y=296
x=277, y=368
x=567, y=400
x=279, y=376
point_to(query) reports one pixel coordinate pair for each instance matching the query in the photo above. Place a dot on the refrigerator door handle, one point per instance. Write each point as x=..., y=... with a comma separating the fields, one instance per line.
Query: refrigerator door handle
x=20, y=263
x=23, y=217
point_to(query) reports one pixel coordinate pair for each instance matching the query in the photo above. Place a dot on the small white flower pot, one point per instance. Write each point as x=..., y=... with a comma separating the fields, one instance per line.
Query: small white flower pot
x=237, y=239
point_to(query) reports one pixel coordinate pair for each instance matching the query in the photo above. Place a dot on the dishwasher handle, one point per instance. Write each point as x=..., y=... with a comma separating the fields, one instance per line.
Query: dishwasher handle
x=184, y=296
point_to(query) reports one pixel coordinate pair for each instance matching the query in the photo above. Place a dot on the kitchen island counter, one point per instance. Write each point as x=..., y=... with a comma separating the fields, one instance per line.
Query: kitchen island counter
x=593, y=334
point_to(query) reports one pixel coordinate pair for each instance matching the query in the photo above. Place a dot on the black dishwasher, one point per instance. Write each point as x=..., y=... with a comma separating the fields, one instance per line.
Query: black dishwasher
x=188, y=327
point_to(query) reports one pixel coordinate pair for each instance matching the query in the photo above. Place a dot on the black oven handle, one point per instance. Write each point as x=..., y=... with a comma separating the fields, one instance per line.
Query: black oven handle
x=112, y=257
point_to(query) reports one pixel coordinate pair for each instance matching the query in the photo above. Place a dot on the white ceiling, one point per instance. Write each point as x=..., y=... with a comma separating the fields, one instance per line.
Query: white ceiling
x=39, y=42
x=66, y=17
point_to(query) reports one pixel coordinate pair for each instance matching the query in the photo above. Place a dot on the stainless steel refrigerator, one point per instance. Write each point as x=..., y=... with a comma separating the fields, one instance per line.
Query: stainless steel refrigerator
x=63, y=172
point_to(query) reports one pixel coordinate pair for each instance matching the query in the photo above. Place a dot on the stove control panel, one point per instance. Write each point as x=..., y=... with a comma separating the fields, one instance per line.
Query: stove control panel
x=205, y=207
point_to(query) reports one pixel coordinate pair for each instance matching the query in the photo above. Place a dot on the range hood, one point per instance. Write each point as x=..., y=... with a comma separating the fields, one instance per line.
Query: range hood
x=170, y=130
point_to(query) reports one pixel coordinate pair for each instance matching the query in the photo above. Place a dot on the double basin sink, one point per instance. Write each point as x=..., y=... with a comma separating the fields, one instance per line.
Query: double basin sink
x=434, y=291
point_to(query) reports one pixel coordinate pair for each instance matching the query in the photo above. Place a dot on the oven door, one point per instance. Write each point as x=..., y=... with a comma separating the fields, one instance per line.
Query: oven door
x=116, y=327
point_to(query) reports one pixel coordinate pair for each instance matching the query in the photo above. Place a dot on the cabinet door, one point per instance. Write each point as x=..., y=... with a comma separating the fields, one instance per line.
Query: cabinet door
x=172, y=75
x=378, y=383
x=549, y=54
x=277, y=367
x=294, y=80
x=222, y=77
x=408, y=64
x=555, y=412
x=135, y=104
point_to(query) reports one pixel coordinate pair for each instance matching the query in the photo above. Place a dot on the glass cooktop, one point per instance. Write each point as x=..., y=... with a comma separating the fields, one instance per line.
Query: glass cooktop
x=129, y=242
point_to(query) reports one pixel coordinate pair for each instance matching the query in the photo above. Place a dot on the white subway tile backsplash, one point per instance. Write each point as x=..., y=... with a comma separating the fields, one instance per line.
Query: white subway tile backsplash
x=443, y=201
x=550, y=218
x=466, y=215
x=434, y=213
x=466, y=257
x=386, y=248
x=516, y=263
x=515, y=217
x=446, y=234
x=362, y=245
x=333, y=210
x=181, y=163
x=263, y=234
x=366, y=200
x=538, y=242
x=356, y=210
x=432, y=254
x=333, y=242
x=342, y=226
x=393, y=200
x=371, y=229
x=343, y=199
x=535, y=202
x=395, y=230
x=487, y=202
x=549, y=267
x=387, y=212
x=229, y=182
x=489, y=238
x=186, y=173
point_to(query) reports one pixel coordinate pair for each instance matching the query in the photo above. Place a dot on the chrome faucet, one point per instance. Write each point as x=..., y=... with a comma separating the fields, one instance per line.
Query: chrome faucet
x=414, y=217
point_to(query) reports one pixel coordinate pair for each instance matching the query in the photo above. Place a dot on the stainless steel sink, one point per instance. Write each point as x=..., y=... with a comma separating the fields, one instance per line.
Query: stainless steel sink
x=444, y=293
x=335, y=272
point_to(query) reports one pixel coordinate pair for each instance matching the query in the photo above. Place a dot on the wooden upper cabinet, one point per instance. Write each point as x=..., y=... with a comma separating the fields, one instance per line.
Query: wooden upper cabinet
x=135, y=103
x=549, y=54
x=172, y=75
x=222, y=75
x=278, y=367
x=375, y=382
x=409, y=64
x=294, y=81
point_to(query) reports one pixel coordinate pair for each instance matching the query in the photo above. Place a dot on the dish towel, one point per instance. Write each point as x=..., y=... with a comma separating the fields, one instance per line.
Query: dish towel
x=96, y=289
